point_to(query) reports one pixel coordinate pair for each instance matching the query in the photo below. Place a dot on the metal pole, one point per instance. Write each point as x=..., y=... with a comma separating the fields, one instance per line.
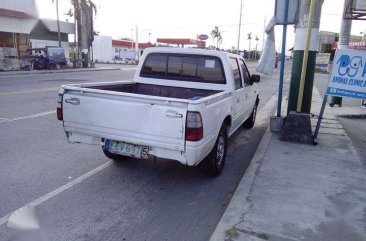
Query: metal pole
x=343, y=42
x=320, y=116
x=241, y=10
x=137, y=43
x=58, y=26
x=306, y=55
x=298, y=55
x=264, y=30
x=283, y=57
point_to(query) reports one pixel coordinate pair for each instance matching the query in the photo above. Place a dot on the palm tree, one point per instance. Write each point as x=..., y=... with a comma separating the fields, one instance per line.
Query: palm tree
x=250, y=40
x=216, y=34
x=87, y=8
x=256, y=45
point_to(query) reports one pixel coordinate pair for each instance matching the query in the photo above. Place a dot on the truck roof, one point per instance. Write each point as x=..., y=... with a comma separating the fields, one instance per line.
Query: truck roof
x=197, y=51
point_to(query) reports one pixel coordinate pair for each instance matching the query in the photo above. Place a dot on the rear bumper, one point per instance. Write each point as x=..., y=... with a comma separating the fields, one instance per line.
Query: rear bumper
x=193, y=153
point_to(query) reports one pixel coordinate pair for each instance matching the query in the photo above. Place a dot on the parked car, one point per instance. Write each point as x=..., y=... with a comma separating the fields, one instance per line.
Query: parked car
x=47, y=58
x=183, y=105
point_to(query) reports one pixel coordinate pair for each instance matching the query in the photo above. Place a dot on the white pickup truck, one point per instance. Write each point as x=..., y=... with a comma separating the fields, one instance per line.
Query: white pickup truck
x=182, y=105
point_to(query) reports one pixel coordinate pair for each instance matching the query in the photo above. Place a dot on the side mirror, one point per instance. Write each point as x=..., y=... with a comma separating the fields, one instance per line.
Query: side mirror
x=255, y=78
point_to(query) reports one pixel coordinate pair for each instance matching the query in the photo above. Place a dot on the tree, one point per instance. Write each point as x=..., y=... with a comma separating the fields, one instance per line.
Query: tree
x=256, y=45
x=85, y=7
x=216, y=34
x=250, y=40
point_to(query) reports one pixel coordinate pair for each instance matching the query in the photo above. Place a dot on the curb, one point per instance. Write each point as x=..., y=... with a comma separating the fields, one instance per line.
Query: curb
x=55, y=71
x=237, y=204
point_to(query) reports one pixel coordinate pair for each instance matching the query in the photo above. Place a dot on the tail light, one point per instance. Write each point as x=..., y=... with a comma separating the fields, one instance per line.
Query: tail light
x=194, y=129
x=60, y=116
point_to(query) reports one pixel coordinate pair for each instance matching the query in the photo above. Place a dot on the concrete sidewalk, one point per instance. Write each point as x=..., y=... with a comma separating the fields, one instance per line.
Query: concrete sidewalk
x=294, y=191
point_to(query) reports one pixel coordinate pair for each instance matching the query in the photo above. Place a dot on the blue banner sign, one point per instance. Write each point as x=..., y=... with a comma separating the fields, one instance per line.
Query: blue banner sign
x=348, y=78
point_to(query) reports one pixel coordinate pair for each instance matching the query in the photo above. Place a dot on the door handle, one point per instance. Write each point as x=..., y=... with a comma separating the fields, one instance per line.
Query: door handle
x=173, y=114
x=73, y=101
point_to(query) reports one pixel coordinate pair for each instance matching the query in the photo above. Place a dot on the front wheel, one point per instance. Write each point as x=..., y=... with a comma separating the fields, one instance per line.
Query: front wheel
x=214, y=163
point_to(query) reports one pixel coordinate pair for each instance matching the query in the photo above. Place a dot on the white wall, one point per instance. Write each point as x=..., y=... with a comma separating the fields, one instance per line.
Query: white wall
x=36, y=43
x=26, y=6
x=16, y=25
x=102, y=49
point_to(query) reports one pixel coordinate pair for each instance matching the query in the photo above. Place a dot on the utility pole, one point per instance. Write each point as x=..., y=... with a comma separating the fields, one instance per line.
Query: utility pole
x=264, y=30
x=241, y=10
x=58, y=25
x=137, y=44
x=299, y=47
x=343, y=42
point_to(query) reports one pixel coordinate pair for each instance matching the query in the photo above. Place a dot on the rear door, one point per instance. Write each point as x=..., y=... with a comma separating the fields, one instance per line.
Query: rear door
x=135, y=120
x=249, y=89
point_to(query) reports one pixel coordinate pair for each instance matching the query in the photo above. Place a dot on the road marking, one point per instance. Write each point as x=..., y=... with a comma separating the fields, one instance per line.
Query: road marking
x=59, y=190
x=27, y=91
x=2, y=120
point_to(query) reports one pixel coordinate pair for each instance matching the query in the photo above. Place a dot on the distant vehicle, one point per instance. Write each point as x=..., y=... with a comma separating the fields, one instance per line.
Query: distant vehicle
x=46, y=58
x=182, y=105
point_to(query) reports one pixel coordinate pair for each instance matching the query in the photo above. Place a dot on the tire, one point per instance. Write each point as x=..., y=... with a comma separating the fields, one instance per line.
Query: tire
x=113, y=156
x=249, y=123
x=57, y=66
x=214, y=163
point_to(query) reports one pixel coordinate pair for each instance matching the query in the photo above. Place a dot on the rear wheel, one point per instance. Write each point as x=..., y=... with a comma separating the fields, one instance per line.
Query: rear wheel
x=249, y=123
x=113, y=156
x=214, y=163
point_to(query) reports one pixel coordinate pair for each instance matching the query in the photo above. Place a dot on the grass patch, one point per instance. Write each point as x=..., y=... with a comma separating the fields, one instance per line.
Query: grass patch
x=231, y=234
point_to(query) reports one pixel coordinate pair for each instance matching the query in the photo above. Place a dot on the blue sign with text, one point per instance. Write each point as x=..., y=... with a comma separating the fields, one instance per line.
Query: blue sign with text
x=348, y=78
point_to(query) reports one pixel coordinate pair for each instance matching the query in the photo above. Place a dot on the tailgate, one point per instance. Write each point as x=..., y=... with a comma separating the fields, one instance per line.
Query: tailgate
x=144, y=120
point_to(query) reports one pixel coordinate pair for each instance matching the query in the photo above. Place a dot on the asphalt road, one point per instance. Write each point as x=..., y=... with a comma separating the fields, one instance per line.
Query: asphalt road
x=102, y=199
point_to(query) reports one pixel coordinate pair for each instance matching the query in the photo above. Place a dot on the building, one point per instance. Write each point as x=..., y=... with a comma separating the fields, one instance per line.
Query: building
x=17, y=19
x=45, y=34
x=21, y=28
x=182, y=42
x=125, y=49
x=102, y=49
x=326, y=37
x=106, y=49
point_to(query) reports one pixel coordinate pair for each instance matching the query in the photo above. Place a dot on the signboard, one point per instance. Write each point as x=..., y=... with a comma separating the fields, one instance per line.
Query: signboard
x=359, y=5
x=57, y=52
x=348, y=78
x=202, y=37
x=293, y=7
x=8, y=52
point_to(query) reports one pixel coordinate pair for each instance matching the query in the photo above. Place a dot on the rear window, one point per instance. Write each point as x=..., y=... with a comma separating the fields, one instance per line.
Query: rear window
x=193, y=68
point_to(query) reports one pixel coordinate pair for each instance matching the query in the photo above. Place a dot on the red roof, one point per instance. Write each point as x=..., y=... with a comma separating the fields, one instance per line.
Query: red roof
x=15, y=14
x=126, y=43
x=176, y=41
x=199, y=43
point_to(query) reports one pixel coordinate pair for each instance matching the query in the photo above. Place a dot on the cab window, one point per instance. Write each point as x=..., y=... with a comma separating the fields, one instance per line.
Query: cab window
x=245, y=72
x=236, y=73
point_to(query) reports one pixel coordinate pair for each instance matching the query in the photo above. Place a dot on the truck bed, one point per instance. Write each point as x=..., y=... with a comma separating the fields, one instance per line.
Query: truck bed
x=157, y=90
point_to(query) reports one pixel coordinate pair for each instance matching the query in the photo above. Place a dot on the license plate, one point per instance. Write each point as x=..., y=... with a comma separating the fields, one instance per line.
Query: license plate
x=126, y=149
